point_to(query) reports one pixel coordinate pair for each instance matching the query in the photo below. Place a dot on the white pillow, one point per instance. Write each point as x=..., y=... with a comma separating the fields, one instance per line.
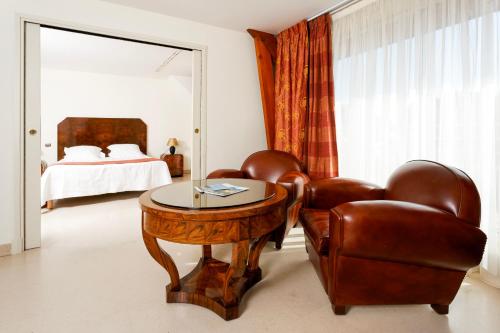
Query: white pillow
x=91, y=149
x=124, y=147
x=83, y=154
x=125, y=151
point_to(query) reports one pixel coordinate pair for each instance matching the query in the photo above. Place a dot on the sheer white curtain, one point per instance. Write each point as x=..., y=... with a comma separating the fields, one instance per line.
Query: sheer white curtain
x=420, y=79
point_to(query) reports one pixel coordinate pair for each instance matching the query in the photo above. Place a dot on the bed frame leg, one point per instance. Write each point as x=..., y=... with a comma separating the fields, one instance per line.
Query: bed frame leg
x=50, y=204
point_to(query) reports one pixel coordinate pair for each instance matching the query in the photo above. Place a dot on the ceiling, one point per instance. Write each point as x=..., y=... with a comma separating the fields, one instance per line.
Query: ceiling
x=88, y=53
x=266, y=15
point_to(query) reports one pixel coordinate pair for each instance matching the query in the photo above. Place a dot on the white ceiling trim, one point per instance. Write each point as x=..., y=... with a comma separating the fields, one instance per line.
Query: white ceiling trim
x=66, y=50
x=270, y=16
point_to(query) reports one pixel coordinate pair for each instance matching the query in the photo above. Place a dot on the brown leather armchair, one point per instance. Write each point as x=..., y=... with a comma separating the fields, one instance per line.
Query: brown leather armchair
x=410, y=243
x=275, y=167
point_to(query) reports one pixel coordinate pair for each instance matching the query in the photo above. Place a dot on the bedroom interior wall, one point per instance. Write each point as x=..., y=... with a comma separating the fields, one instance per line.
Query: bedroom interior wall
x=165, y=105
x=235, y=125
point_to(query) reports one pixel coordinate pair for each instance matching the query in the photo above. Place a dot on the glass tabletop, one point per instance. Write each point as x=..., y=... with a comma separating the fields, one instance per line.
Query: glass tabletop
x=185, y=195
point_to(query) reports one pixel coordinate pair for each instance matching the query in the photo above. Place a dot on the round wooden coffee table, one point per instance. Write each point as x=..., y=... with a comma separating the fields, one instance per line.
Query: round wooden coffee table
x=178, y=213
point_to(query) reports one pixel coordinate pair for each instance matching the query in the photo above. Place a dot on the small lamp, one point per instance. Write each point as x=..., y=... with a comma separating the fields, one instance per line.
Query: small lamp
x=172, y=142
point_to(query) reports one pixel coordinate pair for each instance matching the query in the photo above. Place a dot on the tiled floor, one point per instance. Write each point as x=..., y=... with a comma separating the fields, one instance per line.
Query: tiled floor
x=93, y=274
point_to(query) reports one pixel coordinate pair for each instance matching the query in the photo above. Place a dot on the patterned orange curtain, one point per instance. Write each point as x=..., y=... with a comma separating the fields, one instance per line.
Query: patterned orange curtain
x=291, y=90
x=321, y=148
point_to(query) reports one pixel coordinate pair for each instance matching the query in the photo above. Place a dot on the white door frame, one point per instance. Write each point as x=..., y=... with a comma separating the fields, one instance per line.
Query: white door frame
x=199, y=95
x=32, y=105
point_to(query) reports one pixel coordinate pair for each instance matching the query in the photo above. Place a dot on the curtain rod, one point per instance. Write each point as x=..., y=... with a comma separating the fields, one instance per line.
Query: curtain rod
x=336, y=8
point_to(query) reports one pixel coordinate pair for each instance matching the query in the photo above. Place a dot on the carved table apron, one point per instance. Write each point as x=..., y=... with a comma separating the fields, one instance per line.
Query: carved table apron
x=213, y=284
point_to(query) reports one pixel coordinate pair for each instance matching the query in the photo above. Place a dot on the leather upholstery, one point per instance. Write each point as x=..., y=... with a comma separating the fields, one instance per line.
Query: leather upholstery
x=275, y=167
x=316, y=228
x=226, y=173
x=331, y=192
x=374, y=230
x=433, y=184
x=320, y=263
x=360, y=281
x=270, y=165
x=321, y=195
x=294, y=182
x=415, y=240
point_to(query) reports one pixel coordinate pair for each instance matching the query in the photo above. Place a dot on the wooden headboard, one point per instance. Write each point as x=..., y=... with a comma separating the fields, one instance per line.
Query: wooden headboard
x=100, y=132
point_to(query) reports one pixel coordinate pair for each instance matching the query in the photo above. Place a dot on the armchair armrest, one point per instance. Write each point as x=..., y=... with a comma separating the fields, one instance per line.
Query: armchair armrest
x=331, y=192
x=226, y=173
x=294, y=182
x=405, y=232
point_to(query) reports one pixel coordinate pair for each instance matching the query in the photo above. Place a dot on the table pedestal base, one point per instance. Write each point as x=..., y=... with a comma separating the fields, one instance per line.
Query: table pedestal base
x=213, y=284
x=204, y=286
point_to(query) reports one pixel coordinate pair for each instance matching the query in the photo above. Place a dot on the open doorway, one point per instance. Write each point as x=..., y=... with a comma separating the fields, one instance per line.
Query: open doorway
x=103, y=117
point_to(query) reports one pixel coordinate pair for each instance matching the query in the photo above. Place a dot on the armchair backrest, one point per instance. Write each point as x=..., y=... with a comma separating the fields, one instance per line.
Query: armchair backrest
x=269, y=165
x=436, y=185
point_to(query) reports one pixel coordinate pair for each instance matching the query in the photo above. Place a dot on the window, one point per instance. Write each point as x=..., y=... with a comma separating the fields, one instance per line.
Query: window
x=421, y=80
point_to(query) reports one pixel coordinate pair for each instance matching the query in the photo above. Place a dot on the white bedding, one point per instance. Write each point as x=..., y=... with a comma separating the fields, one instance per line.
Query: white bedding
x=67, y=181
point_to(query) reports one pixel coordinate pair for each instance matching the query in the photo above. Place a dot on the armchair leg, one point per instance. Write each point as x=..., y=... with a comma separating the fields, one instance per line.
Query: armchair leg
x=440, y=308
x=339, y=309
x=278, y=237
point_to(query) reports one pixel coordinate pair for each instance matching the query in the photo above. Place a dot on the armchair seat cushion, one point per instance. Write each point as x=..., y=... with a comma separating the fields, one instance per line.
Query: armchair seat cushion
x=316, y=223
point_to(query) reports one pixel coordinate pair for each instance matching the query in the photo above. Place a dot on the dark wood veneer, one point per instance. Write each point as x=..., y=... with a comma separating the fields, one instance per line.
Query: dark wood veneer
x=100, y=132
x=213, y=284
x=175, y=164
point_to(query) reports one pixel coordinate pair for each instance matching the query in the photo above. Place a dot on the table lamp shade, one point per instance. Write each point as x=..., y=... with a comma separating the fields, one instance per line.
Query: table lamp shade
x=172, y=142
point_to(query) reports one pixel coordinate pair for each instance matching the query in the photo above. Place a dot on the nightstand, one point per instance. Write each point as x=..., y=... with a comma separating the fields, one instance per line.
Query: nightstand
x=175, y=164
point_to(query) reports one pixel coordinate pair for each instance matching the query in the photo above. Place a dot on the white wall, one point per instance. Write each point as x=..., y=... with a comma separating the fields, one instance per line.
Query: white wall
x=234, y=115
x=165, y=105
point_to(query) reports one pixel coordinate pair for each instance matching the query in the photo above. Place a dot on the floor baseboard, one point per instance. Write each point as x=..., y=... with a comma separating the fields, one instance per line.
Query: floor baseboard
x=5, y=249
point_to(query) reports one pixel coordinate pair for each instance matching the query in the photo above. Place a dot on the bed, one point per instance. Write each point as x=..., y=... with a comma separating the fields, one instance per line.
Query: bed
x=68, y=179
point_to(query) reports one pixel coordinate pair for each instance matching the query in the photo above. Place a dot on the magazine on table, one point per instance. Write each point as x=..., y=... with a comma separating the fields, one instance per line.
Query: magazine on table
x=221, y=190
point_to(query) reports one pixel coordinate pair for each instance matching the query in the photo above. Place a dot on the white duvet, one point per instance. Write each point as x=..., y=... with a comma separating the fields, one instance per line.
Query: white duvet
x=67, y=181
